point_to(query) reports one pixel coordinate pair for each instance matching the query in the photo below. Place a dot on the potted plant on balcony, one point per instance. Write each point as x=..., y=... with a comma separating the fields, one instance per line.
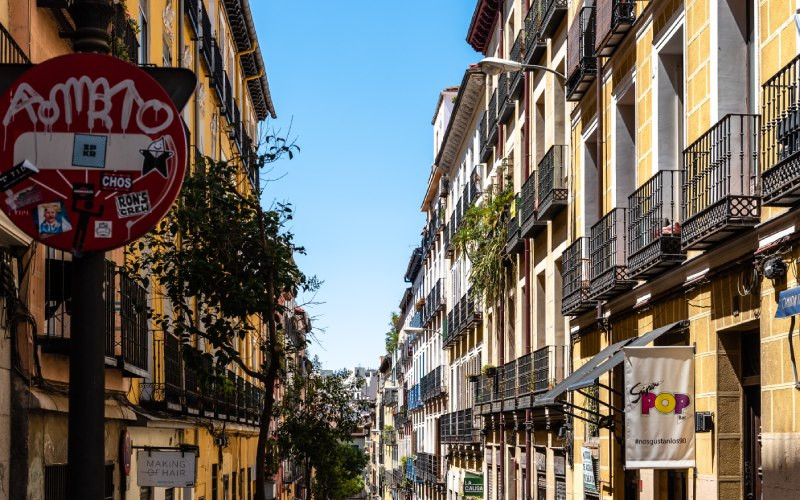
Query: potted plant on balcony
x=489, y=370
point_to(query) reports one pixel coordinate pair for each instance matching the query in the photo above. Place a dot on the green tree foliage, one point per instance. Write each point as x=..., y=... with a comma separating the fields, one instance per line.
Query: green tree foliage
x=393, y=334
x=483, y=238
x=223, y=262
x=316, y=419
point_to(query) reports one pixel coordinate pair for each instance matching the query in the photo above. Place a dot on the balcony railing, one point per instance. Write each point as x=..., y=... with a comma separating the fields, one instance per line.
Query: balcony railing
x=780, y=136
x=514, y=242
x=483, y=137
x=10, y=53
x=492, y=117
x=535, y=46
x=464, y=314
x=414, y=265
x=524, y=381
x=515, y=87
x=207, y=38
x=553, y=11
x=614, y=19
x=505, y=104
x=190, y=8
x=124, y=44
x=581, y=58
x=654, y=229
x=552, y=183
x=434, y=302
x=543, y=375
x=531, y=225
x=575, y=279
x=509, y=385
x=457, y=428
x=720, y=187
x=609, y=265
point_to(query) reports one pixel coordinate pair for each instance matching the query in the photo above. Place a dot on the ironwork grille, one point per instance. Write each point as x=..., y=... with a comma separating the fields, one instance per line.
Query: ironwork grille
x=580, y=47
x=124, y=43
x=524, y=375
x=722, y=162
x=575, y=271
x=172, y=367
x=528, y=198
x=607, y=244
x=780, y=132
x=510, y=379
x=493, y=109
x=10, y=53
x=532, y=22
x=133, y=321
x=207, y=36
x=541, y=369
x=110, y=272
x=551, y=172
x=653, y=210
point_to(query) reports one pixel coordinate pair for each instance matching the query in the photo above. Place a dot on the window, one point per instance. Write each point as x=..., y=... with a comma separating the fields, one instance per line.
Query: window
x=624, y=144
x=737, y=66
x=145, y=493
x=169, y=494
x=669, y=105
x=234, y=485
x=144, y=33
x=591, y=186
x=214, y=481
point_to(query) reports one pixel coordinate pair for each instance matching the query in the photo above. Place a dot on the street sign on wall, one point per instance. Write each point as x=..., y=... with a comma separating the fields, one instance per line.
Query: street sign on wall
x=93, y=152
x=166, y=469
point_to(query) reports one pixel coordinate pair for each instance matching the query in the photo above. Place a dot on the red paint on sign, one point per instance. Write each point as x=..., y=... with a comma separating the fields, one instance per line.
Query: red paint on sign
x=102, y=144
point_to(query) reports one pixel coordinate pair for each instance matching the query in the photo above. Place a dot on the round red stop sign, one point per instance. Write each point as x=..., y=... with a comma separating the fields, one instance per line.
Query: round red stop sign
x=93, y=152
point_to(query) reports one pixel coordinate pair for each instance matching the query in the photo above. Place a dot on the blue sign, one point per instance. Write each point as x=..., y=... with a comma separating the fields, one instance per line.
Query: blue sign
x=788, y=303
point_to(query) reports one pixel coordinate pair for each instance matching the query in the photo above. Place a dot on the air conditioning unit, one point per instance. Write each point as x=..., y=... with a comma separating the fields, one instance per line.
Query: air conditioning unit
x=444, y=187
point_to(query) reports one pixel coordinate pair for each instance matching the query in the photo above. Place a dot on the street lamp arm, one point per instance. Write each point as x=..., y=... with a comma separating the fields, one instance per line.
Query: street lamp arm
x=531, y=67
x=496, y=65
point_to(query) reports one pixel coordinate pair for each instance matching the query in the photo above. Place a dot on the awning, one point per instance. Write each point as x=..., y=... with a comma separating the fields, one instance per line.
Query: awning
x=604, y=361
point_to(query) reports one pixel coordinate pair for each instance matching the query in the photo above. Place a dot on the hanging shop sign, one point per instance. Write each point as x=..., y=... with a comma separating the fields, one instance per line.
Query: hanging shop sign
x=589, y=479
x=659, y=407
x=93, y=152
x=473, y=485
x=788, y=303
x=166, y=469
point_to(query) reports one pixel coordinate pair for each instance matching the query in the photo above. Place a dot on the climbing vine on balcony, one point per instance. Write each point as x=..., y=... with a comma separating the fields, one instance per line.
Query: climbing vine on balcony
x=482, y=237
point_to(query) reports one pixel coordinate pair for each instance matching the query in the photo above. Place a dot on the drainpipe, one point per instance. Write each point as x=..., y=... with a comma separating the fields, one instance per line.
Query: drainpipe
x=501, y=308
x=526, y=302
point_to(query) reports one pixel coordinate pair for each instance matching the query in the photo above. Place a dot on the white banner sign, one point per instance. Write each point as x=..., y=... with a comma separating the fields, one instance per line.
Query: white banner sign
x=659, y=407
x=166, y=469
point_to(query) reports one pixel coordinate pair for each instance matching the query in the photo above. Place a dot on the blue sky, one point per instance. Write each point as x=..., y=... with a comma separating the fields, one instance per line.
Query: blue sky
x=360, y=81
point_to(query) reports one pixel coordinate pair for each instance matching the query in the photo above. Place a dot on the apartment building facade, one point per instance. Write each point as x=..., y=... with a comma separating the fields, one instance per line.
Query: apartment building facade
x=653, y=166
x=152, y=396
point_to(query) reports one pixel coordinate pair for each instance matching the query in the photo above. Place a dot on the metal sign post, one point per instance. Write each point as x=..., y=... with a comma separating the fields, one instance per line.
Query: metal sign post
x=93, y=155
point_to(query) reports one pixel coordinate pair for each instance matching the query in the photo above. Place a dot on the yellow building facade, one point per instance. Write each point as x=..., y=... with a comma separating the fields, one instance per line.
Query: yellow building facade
x=150, y=393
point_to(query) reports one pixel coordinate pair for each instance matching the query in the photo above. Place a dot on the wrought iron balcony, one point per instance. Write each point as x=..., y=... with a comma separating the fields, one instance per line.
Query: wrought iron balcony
x=434, y=303
x=491, y=117
x=553, y=11
x=516, y=87
x=505, y=104
x=535, y=46
x=457, y=428
x=524, y=381
x=509, y=385
x=464, y=314
x=552, y=183
x=483, y=137
x=720, y=185
x=124, y=44
x=581, y=57
x=414, y=265
x=614, y=19
x=544, y=372
x=654, y=228
x=190, y=8
x=206, y=38
x=609, y=267
x=780, y=136
x=390, y=396
x=575, y=279
x=10, y=52
x=531, y=225
x=514, y=242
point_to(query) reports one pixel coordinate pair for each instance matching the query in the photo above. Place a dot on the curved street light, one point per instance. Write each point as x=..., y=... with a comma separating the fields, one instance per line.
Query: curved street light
x=494, y=66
